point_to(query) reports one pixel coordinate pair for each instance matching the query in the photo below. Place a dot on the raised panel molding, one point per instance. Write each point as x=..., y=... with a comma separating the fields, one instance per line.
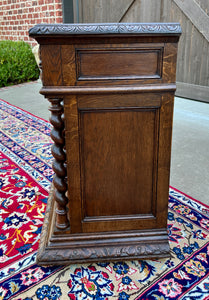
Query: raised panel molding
x=119, y=64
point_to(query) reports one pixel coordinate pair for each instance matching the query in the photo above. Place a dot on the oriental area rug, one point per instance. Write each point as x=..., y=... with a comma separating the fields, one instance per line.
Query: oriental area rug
x=25, y=178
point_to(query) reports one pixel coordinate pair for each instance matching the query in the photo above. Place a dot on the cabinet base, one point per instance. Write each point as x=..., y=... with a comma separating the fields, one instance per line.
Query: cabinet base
x=60, y=248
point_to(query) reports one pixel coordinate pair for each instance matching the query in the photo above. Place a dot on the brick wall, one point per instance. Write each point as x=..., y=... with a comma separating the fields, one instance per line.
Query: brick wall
x=17, y=16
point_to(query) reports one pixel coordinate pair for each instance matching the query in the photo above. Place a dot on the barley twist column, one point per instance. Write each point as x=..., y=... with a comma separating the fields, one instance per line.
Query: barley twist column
x=59, y=164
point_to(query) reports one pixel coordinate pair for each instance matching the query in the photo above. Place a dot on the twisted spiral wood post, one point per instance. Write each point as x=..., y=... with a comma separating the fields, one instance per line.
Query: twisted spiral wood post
x=59, y=164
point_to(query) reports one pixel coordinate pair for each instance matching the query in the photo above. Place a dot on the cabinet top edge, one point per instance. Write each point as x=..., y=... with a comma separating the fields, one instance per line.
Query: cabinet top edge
x=105, y=28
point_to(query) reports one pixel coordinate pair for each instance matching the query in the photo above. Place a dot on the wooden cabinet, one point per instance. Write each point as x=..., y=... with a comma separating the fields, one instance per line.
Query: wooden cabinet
x=111, y=88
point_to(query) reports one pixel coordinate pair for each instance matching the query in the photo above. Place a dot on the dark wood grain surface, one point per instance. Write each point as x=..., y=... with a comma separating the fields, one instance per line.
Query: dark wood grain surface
x=112, y=90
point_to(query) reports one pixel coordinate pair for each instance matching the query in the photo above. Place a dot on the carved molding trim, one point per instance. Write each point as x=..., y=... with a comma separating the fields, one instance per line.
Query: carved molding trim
x=110, y=252
x=111, y=28
x=50, y=253
x=125, y=89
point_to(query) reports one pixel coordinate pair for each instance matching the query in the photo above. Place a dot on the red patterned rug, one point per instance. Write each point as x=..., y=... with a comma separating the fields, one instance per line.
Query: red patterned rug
x=25, y=177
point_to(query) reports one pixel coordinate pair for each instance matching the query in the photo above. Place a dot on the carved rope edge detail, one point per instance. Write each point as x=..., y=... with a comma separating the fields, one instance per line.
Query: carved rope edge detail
x=120, y=28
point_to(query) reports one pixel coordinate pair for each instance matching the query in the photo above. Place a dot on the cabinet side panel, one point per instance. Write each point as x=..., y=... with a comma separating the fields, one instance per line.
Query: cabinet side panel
x=169, y=62
x=68, y=65
x=118, y=151
x=51, y=65
x=165, y=134
x=73, y=163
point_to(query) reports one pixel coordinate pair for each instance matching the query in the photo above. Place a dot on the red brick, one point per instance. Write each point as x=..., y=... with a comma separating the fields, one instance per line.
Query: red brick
x=51, y=7
x=58, y=6
x=19, y=15
x=52, y=20
x=59, y=20
x=44, y=8
x=41, y=2
x=58, y=13
x=42, y=14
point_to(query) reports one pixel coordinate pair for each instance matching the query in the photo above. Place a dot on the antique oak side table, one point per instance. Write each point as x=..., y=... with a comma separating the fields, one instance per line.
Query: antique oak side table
x=111, y=88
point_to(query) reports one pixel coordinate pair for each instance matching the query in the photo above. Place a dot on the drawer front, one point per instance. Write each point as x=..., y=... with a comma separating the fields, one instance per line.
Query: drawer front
x=119, y=64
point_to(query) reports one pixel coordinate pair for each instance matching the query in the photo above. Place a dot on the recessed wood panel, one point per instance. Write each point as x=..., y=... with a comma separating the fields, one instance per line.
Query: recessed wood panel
x=119, y=64
x=118, y=151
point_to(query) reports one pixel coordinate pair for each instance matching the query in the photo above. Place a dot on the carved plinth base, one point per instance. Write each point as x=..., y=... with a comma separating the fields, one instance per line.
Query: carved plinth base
x=65, y=248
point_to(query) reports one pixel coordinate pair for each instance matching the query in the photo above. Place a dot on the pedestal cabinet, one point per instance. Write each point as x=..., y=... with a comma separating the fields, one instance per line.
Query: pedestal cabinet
x=111, y=88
